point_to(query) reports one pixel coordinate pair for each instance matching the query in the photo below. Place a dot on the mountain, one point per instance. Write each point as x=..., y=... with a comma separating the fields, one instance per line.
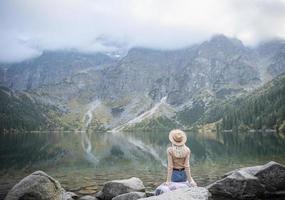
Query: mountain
x=50, y=68
x=262, y=109
x=22, y=112
x=182, y=84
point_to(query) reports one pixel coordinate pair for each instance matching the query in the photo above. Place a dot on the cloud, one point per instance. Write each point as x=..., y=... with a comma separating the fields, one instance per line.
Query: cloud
x=29, y=26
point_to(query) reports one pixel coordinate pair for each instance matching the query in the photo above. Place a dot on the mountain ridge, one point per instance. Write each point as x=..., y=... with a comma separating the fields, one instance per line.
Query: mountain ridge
x=216, y=69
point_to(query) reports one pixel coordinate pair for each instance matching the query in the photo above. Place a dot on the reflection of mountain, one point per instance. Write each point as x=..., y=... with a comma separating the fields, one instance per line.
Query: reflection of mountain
x=131, y=150
x=191, y=79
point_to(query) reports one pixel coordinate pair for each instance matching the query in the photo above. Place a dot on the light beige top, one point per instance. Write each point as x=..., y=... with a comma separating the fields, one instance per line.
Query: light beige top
x=178, y=163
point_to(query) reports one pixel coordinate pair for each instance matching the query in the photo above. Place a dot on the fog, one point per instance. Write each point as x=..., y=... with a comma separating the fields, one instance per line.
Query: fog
x=27, y=27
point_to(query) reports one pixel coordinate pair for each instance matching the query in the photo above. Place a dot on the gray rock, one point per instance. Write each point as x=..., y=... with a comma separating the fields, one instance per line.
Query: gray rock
x=149, y=193
x=272, y=175
x=238, y=185
x=193, y=193
x=117, y=187
x=37, y=186
x=99, y=195
x=87, y=197
x=130, y=196
x=70, y=196
x=251, y=182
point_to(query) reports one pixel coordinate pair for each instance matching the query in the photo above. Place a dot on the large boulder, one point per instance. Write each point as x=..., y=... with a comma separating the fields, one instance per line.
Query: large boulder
x=272, y=175
x=264, y=181
x=193, y=193
x=117, y=187
x=36, y=186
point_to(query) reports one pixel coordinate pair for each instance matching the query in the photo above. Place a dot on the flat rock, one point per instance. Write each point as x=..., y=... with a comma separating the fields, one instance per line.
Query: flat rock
x=130, y=196
x=114, y=188
x=87, y=197
x=37, y=186
x=263, y=181
x=193, y=193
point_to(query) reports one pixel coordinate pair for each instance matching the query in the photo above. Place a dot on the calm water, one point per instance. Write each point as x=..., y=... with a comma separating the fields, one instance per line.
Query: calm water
x=82, y=162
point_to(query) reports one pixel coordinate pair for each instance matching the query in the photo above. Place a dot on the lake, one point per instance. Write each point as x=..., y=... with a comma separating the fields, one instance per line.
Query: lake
x=83, y=161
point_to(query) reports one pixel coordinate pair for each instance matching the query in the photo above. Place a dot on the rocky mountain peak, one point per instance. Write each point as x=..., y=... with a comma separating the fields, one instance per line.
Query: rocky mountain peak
x=221, y=66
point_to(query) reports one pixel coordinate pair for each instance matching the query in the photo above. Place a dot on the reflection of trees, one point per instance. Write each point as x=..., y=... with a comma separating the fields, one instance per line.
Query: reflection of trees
x=116, y=151
x=253, y=144
x=22, y=149
x=198, y=150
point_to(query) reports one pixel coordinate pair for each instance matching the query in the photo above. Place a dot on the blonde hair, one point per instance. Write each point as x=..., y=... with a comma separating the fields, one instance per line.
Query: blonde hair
x=179, y=151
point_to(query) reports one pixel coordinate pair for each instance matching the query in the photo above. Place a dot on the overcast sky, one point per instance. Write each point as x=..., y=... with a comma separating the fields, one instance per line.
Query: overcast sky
x=29, y=26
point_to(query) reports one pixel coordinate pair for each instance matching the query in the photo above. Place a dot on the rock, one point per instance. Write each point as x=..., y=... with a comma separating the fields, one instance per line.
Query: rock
x=99, y=195
x=130, y=196
x=272, y=175
x=70, y=196
x=262, y=181
x=238, y=185
x=193, y=193
x=37, y=186
x=114, y=188
x=87, y=197
x=86, y=191
x=149, y=193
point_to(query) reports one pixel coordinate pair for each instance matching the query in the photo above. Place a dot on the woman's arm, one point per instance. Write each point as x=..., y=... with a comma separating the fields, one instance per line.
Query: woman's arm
x=187, y=169
x=187, y=166
x=169, y=166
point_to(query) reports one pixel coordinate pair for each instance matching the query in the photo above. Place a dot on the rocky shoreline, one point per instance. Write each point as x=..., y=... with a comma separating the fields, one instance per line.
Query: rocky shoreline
x=257, y=182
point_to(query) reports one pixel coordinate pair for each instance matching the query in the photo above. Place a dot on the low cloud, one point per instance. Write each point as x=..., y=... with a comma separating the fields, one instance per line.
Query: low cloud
x=28, y=27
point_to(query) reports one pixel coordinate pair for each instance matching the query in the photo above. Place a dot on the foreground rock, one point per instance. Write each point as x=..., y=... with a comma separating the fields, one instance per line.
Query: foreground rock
x=194, y=193
x=258, y=182
x=130, y=196
x=265, y=181
x=117, y=187
x=37, y=186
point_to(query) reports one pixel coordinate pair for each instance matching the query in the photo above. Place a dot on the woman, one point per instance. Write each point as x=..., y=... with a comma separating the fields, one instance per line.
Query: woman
x=178, y=154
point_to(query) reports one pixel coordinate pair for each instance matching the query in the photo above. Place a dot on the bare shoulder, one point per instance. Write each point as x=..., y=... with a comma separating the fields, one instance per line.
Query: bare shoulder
x=188, y=150
x=169, y=150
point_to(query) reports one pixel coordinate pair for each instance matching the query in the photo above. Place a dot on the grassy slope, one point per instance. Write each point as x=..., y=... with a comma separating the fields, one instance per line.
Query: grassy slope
x=20, y=111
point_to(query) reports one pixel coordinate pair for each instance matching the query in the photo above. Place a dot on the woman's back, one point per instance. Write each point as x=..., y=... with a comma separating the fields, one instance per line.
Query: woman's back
x=178, y=161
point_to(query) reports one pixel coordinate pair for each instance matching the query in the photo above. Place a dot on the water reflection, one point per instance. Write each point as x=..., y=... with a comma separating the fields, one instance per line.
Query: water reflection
x=87, y=147
x=78, y=158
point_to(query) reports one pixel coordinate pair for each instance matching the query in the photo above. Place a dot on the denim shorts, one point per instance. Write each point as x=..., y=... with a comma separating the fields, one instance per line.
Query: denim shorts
x=178, y=176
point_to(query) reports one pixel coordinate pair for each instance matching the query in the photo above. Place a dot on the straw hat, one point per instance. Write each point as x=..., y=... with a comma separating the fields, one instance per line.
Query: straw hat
x=177, y=137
